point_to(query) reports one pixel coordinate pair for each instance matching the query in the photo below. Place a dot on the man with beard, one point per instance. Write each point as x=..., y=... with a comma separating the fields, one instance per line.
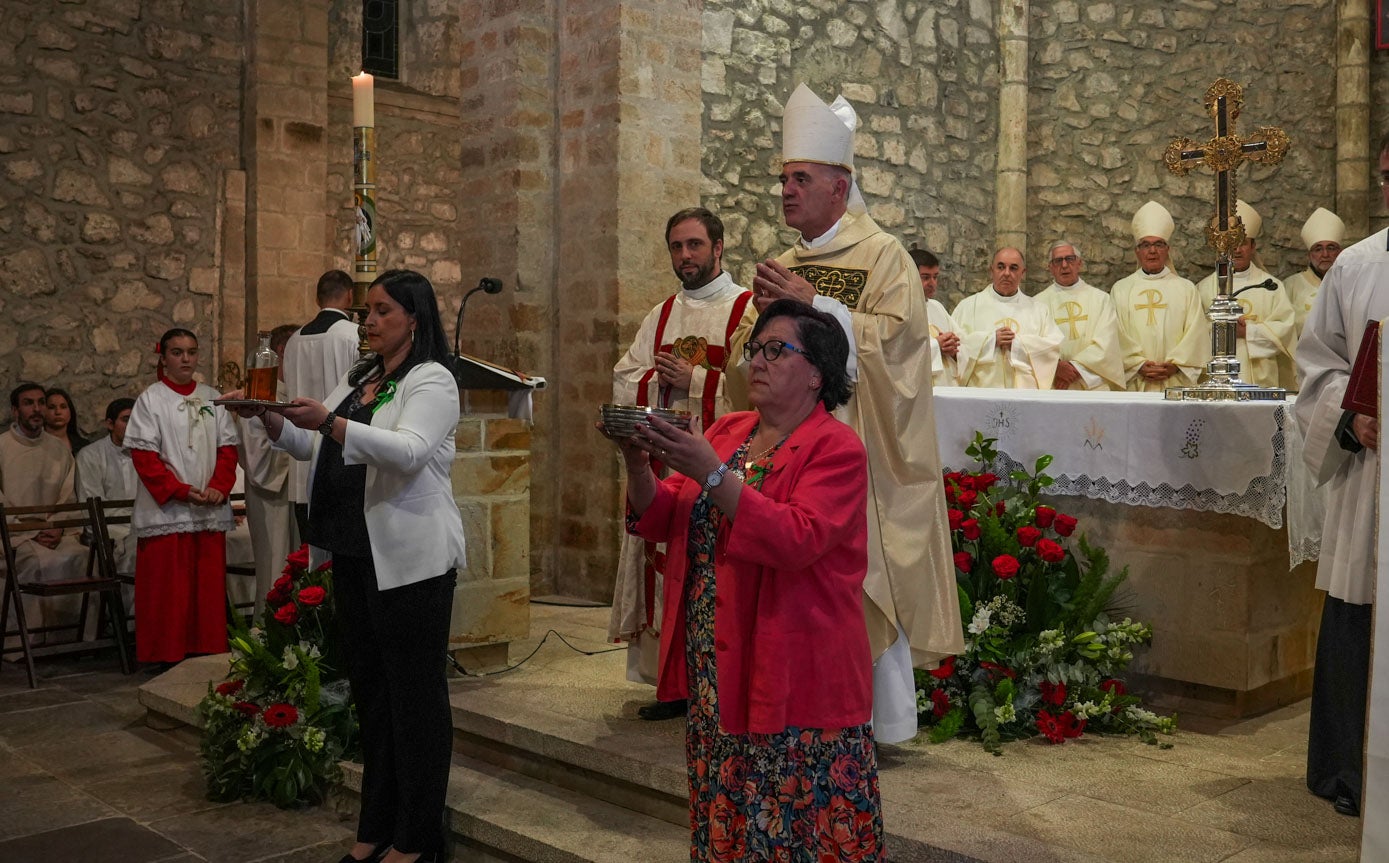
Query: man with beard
x=1264, y=334
x=1013, y=341
x=683, y=357
x=844, y=262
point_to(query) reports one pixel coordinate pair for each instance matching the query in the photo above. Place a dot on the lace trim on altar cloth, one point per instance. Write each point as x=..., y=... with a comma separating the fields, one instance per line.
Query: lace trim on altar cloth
x=1264, y=499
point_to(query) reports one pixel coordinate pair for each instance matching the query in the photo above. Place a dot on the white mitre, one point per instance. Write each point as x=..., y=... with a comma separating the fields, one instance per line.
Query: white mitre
x=1323, y=226
x=1253, y=222
x=812, y=131
x=1152, y=220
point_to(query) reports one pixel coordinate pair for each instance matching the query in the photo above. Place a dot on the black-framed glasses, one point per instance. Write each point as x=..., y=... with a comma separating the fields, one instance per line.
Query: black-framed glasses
x=1067, y=259
x=771, y=349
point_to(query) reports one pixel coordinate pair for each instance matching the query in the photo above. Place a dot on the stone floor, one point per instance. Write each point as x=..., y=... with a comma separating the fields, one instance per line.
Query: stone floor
x=83, y=779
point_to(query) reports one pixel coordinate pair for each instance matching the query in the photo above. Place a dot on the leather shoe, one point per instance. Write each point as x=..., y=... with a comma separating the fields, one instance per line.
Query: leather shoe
x=1345, y=805
x=662, y=710
x=376, y=856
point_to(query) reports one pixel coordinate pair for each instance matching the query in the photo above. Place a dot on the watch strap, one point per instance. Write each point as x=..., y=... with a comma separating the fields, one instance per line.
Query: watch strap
x=327, y=427
x=715, y=478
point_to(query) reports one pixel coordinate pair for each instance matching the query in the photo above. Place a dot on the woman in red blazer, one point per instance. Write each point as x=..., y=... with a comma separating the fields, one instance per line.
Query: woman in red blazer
x=763, y=627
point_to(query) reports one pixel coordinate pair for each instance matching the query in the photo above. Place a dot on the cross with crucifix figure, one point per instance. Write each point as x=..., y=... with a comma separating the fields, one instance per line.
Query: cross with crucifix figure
x=1224, y=154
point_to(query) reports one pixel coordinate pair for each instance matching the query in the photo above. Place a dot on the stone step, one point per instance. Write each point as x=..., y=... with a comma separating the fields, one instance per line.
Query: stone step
x=500, y=815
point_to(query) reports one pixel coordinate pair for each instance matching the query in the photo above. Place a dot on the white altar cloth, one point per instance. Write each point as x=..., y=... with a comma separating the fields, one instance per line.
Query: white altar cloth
x=1141, y=450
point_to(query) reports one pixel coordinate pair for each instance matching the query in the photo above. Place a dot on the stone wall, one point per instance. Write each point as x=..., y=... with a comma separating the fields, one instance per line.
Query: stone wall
x=1113, y=82
x=1379, y=127
x=118, y=119
x=923, y=77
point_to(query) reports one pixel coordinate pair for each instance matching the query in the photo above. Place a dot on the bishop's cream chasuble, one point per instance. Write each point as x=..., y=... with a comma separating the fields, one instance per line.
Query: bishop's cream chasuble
x=1265, y=353
x=1302, y=288
x=911, y=573
x=1085, y=315
x=945, y=370
x=1030, y=362
x=1161, y=320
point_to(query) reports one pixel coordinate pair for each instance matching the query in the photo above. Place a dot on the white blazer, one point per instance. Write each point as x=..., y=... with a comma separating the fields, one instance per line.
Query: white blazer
x=413, y=524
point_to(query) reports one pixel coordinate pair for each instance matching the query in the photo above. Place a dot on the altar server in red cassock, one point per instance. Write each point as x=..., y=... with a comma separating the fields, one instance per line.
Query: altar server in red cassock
x=184, y=450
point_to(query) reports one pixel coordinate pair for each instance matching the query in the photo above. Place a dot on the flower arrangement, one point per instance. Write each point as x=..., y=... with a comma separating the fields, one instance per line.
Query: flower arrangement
x=1042, y=654
x=278, y=725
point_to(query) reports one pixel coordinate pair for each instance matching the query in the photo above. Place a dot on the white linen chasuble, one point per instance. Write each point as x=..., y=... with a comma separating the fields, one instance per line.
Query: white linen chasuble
x=1088, y=323
x=945, y=370
x=1030, y=362
x=1269, y=333
x=1161, y=320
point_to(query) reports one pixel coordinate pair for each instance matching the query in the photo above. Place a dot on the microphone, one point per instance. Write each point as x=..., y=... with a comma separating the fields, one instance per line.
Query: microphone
x=486, y=284
x=1266, y=285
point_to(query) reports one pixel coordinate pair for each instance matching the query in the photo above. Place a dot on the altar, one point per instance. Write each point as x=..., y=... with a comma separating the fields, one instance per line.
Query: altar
x=1218, y=523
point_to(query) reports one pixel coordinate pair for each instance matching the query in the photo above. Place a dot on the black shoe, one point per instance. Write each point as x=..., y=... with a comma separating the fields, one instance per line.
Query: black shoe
x=662, y=710
x=381, y=851
x=1345, y=805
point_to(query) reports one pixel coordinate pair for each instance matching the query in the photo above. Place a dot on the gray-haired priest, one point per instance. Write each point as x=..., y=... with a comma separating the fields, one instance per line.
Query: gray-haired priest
x=1092, y=355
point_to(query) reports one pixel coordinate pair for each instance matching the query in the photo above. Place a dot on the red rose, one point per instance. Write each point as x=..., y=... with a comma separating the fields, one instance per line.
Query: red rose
x=246, y=708
x=280, y=715
x=946, y=669
x=1045, y=516
x=1115, y=686
x=1050, y=551
x=1005, y=566
x=967, y=498
x=964, y=561
x=300, y=558
x=281, y=591
x=940, y=703
x=287, y=614
x=325, y=566
x=965, y=482
x=956, y=518
x=1049, y=726
x=1028, y=536
x=970, y=526
x=985, y=480
x=727, y=829
x=1070, y=726
x=1065, y=525
x=312, y=596
x=950, y=493
x=230, y=687
x=998, y=508
x=1053, y=693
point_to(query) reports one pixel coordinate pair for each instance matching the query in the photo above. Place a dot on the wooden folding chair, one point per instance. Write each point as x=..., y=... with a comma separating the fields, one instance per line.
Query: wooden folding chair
x=100, y=578
x=239, y=568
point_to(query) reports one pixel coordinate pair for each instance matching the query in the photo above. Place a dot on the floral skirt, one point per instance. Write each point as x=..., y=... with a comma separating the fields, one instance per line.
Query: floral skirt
x=801, y=795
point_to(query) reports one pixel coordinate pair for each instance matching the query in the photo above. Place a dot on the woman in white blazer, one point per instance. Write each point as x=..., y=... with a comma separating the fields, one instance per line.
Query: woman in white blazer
x=381, y=506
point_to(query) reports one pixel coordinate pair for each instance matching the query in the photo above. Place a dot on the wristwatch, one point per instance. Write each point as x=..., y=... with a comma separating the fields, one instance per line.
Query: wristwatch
x=327, y=427
x=714, y=478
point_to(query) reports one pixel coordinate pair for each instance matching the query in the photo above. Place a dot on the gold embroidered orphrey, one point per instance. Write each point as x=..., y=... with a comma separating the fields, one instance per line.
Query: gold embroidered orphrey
x=693, y=350
x=841, y=283
x=1224, y=154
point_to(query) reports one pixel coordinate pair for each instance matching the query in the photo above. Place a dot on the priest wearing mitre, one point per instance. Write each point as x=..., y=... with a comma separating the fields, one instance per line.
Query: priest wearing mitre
x=844, y=259
x=1264, y=335
x=1161, y=319
x=1323, y=234
x=1012, y=340
x=1092, y=357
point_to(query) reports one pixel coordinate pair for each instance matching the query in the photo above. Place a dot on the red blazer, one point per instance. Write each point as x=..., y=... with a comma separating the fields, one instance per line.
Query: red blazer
x=789, y=633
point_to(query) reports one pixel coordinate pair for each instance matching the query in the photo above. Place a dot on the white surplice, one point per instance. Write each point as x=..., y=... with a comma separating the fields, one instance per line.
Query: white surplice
x=1030, y=363
x=1269, y=327
x=316, y=358
x=945, y=371
x=107, y=471
x=1085, y=315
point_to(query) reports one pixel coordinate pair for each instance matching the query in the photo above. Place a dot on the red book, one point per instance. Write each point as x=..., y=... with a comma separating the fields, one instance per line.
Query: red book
x=1362, y=395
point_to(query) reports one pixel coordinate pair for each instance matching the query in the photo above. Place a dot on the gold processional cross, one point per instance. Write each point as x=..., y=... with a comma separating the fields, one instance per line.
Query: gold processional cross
x=1223, y=154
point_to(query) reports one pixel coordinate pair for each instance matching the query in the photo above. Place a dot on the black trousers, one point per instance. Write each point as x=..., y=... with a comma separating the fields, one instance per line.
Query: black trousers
x=394, y=641
x=1340, y=689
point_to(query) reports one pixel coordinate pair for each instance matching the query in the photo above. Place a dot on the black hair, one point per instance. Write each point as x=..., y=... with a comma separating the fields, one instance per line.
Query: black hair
x=280, y=335
x=923, y=258
x=825, y=345
x=113, y=410
x=21, y=390
x=73, y=432
x=332, y=285
x=415, y=295
x=712, y=224
x=174, y=333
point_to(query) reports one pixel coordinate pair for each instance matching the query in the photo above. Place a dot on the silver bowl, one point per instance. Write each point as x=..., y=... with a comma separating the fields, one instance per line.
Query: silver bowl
x=622, y=420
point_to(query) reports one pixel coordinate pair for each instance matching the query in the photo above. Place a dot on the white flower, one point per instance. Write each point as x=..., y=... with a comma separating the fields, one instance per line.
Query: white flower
x=1005, y=713
x=980, y=623
x=290, y=658
x=314, y=738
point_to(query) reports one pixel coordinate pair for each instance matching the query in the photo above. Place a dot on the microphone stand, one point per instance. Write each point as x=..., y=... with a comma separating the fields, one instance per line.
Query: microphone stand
x=491, y=286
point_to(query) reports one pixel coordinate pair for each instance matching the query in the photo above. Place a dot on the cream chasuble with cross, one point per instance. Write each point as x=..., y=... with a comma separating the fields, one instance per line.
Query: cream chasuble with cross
x=1269, y=338
x=945, y=370
x=1086, y=317
x=1030, y=363
x=911, y=573
x=1161, y=320
x=1302, y=288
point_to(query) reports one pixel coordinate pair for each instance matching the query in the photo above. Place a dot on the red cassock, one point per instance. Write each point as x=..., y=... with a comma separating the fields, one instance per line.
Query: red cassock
x=789, y=629
x=180, y=578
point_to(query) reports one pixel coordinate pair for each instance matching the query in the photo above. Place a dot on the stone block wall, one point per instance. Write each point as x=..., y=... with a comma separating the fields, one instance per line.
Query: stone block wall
x=118, y=119
x=1113, y=82
x=923, y=77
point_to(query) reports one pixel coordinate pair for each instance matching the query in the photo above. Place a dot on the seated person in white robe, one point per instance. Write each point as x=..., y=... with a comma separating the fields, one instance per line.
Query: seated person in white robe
x=1012, y=340
x=945, y=333
x=105, y=470
x=1092, y=357
x=1265, y=336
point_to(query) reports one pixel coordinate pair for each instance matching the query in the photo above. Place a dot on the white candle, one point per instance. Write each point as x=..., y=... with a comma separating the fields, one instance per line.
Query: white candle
x=363, y=104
